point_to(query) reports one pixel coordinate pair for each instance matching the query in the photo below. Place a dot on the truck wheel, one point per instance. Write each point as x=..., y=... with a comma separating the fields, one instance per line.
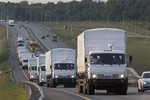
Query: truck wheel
x=53, y=85
x=39, y=83
x=109, y=91
x=48, y=84
x=90, y=89
x=84, y=89
x=80, y=89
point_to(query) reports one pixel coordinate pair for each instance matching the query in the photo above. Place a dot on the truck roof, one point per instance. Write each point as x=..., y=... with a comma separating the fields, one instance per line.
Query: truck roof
x=102, y=39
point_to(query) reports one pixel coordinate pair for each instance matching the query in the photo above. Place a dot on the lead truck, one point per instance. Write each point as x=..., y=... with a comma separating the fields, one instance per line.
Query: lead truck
x=61, y=67
x=101, y=61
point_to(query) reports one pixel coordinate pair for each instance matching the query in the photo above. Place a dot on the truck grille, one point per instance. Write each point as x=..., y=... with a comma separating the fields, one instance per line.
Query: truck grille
x=114, y=76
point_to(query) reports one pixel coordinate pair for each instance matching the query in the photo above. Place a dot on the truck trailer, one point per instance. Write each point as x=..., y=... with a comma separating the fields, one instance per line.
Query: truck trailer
x=61, y=67
x=101, y=61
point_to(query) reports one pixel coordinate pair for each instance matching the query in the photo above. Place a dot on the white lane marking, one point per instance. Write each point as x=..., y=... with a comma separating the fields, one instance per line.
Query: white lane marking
x=74, y=94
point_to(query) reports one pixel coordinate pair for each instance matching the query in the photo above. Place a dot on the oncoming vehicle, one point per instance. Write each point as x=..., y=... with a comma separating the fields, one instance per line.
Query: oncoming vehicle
x=55, y=38
x=144, y=82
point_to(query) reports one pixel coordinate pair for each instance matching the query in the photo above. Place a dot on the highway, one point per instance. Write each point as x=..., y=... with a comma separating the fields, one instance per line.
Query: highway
x=59, y=93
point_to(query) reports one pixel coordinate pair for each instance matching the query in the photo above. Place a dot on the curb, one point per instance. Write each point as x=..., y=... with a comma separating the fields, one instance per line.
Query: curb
x=39, y=88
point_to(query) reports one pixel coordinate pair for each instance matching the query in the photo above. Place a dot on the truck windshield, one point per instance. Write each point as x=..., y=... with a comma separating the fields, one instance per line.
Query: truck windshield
x=107, y=59
x=66, y=66
x=43, y=68
x=33, y=68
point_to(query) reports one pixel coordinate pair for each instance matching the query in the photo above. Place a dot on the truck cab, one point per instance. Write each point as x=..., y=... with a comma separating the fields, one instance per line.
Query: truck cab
x=64, y=74
x=42, y=75
x=33, y=73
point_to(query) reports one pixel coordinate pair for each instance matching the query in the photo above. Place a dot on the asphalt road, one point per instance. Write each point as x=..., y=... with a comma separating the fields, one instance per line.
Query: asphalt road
x=61, y=93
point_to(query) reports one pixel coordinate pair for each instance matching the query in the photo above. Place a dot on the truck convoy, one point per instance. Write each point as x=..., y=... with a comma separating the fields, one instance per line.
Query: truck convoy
x=61, y=67
x=101, y=61
x=32, y=69
x=41, y=70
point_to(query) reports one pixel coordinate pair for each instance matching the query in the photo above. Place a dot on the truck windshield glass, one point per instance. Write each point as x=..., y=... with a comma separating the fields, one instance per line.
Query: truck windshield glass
x=107, y=59
x=146, y=75
x=66, y=66
x=25, y=60
x=20, y=41
x=43, y=68
x=33, y=68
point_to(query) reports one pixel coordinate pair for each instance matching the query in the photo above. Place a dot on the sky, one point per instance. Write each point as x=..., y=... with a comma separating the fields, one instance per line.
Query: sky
x=41, y=1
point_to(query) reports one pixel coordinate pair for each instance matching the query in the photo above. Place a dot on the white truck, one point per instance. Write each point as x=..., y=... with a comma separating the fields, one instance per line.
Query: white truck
x=24, y=59
x=61, y=67
x=20, y=41
x=19, y=54
x=101, y=61
x=11, y=22
x=21, y=48
x=32, y=69
x=41, y=70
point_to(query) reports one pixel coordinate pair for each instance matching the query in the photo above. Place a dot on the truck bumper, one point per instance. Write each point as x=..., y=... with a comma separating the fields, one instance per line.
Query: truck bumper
x=108, y=83
x=63, y=81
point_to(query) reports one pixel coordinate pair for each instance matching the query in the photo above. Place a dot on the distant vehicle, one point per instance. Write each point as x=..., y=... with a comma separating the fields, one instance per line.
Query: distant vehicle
x=20, y=41
x=55, y=38
x=19, y=26
x=144, y=82
x=20, y=53
x=61, y=67
x=11, y=22
x=43, y=37
x=24, y=59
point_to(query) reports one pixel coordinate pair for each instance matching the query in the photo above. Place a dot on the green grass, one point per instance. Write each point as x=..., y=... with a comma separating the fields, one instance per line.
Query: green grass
x=139, y=48
x=8, y=90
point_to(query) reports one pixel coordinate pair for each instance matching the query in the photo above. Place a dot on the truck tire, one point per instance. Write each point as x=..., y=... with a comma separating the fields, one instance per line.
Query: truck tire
x=84, y=89
x=80, y=87
x=48, y=84
x=109, y=91
x=53, y=85
x=90, y=89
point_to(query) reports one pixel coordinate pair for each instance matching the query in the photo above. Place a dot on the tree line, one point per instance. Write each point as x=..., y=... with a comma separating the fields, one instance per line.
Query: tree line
x=94, y=10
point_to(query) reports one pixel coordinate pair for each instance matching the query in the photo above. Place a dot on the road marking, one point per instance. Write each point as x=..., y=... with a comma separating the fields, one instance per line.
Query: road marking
x=74, y=94
x=24, y=73
x=11, y=61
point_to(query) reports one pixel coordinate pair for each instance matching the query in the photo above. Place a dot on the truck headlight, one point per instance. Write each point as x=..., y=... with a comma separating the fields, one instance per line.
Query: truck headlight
x=122, y=76
x=56, y=76
x=32, y=76
x=42, y=79
x=94, y=76
x=72, y=76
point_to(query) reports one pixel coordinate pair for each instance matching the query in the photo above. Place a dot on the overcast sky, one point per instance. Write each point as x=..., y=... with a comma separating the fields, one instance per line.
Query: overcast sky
x=35, y=1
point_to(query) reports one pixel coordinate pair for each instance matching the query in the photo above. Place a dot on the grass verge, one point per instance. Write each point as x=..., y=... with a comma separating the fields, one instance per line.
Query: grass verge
x=8, y=90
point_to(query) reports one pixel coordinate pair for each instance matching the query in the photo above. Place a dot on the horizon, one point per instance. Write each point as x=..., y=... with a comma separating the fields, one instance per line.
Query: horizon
x=40, y=1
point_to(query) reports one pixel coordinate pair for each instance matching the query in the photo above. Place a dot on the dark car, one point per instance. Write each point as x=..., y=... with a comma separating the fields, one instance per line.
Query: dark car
x=55, y=38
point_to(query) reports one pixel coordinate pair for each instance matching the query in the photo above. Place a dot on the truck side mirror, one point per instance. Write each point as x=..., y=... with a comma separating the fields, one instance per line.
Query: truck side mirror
x=130, y=58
